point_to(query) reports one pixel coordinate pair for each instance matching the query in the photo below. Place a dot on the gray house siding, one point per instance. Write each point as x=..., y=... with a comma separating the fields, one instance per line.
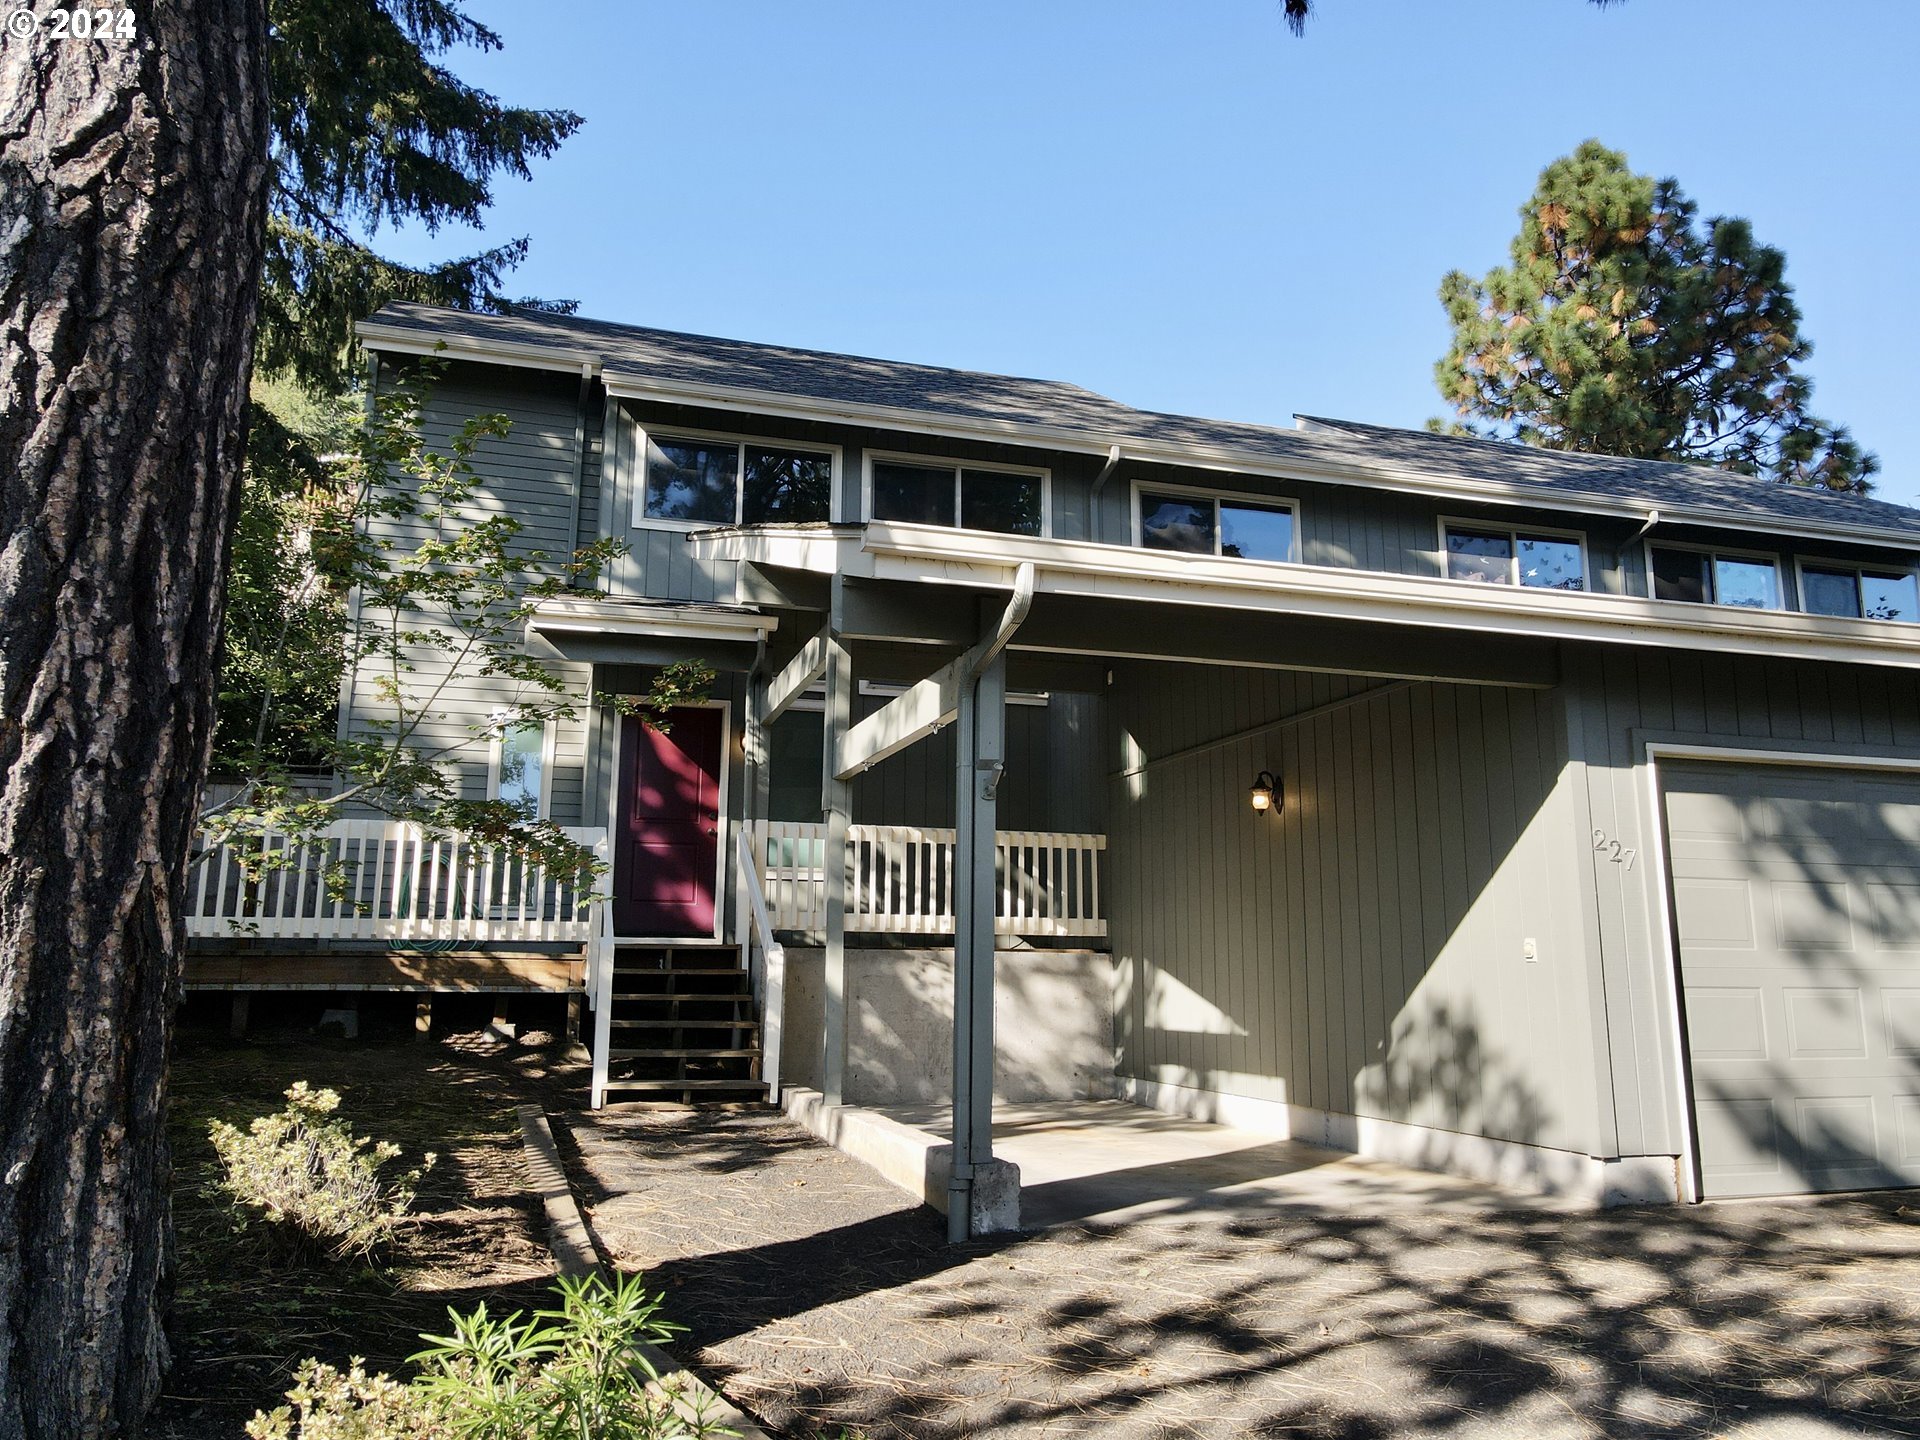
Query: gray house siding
x=1054, y=778
x=1363, y=952
x=529, y=474
x=1619, y=700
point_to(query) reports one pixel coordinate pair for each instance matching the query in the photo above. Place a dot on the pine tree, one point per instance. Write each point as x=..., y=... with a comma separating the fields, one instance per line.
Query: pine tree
x=1626, y=325
x=133, y=182
x=369, y=130
x=146, y=183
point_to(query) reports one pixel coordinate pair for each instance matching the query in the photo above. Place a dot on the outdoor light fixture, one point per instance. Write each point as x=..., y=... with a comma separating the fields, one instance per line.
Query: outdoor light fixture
x=1268, y=793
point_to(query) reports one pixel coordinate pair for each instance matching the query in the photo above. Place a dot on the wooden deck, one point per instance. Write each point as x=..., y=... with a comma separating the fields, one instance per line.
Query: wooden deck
x=444, y=972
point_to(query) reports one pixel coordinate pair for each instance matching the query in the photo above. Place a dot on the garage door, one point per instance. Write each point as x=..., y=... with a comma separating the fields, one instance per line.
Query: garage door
x=1796, y=895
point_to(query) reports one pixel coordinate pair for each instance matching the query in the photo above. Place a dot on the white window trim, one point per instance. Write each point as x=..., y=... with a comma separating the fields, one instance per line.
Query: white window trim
x=549, y=738
x=941, y=462
x=646, y=434
x=1513, y=531
x=1801, y=564
x=1218, y=497
x=1730, y=552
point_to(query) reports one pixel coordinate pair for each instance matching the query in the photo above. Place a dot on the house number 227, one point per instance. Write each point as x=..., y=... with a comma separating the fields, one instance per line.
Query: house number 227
x=1616, y=852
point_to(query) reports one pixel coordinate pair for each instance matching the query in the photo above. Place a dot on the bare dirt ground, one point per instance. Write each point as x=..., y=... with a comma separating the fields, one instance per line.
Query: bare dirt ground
x=821, y=1300
x=240, y=1323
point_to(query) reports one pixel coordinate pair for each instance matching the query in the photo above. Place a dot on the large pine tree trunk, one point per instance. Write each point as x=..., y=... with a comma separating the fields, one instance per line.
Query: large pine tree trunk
x=132, y=210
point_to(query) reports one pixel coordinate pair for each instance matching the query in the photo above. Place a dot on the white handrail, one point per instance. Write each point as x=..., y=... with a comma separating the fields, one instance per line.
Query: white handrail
x=770, y=975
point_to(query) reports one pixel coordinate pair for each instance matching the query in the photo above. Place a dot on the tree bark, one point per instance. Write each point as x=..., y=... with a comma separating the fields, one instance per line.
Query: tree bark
x=133, y=181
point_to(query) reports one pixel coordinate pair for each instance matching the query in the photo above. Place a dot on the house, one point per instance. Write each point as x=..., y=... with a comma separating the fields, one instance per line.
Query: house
x=1543, y=817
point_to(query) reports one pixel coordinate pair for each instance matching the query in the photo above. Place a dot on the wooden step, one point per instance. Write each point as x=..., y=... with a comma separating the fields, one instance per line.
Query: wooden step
x=682, y=1053
x=694, y=998
x=660, y=1085
x=676, y=974
x=684, y=1023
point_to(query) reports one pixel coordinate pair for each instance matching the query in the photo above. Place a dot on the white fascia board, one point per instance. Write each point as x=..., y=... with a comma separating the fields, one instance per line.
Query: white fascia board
x=936, y=555
x=820, y=552
x=407, y=340
x=589, y=617
x=1411, y=480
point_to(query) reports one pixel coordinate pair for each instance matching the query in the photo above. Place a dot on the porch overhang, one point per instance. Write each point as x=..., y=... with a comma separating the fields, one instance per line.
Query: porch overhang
x=604, y=630
x=1122, y=601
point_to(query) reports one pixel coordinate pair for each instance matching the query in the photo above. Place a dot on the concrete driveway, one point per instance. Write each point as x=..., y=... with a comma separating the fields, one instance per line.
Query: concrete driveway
x=826, y=1303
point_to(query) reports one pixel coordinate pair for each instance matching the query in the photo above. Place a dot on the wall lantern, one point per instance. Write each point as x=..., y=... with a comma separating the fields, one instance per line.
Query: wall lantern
x=1268, y=793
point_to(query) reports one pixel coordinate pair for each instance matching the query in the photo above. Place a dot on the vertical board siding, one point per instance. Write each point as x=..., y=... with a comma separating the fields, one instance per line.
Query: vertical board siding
x=1053, y=781
x=527, y=473
x=1361, y=952
x=1617, y=699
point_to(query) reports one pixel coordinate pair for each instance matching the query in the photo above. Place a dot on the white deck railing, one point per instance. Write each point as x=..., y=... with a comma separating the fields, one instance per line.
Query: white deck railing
x=388, y=880
x=900, y=879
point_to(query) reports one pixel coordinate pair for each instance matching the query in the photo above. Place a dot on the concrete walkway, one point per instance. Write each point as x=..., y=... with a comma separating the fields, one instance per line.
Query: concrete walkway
x=1110, y=1161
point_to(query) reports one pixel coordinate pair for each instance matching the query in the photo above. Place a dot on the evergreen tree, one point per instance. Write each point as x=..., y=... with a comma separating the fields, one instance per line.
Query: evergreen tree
x=370, y=130
x=133, y=184
x=146, y=183
x=1625, y=325
x=367, y=130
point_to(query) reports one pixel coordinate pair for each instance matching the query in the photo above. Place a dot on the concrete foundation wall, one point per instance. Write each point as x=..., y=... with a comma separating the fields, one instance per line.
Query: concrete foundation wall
x=1052, y=1017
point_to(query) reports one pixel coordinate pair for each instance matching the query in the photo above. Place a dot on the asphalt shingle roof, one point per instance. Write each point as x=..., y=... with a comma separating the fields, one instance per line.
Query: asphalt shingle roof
x=1561, y=479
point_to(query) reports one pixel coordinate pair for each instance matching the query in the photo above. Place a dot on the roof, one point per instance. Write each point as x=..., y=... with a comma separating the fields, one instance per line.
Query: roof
x=1050, y=408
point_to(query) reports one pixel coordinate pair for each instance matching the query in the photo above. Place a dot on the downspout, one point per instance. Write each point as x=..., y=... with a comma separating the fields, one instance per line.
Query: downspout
x=1011, y=619
x=1099, y=488
x=1620, y=554
x=580, y=473
x=983, y=785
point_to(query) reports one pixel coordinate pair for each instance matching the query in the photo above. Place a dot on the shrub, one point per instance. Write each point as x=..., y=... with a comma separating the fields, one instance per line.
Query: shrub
x=318, y=1186
x=566, y=1374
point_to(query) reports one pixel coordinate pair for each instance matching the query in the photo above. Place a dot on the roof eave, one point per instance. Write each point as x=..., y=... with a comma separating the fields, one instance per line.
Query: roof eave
x=1400, y=478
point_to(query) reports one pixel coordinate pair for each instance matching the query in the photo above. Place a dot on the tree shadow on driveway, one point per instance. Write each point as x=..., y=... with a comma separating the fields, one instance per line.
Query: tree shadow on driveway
x=824, y=1300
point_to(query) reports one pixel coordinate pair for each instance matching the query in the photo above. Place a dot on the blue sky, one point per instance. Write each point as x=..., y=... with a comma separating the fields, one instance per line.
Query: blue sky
x=1181, y=205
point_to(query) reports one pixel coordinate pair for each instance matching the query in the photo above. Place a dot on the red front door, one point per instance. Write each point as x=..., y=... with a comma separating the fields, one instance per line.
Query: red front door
x=667, y=852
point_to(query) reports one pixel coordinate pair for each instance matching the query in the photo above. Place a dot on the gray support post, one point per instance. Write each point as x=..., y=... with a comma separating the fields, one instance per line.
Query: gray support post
x=980, y=751
x=836, y=801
